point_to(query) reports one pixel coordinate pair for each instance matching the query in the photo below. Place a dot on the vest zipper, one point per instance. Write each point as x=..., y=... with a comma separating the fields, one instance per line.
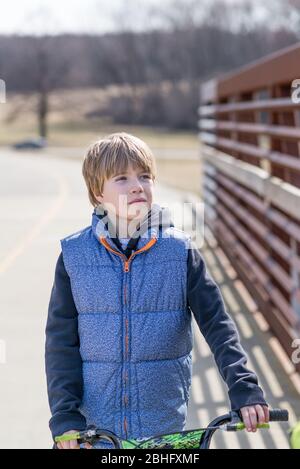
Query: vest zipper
x=126, y=270
x=126, y=364
x=127, y=261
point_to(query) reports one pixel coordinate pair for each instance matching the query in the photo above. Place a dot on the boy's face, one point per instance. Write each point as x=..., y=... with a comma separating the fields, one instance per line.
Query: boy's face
x=121, y=191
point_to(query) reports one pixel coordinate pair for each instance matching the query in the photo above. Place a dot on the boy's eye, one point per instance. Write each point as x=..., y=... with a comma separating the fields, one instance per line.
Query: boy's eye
x=147, y=176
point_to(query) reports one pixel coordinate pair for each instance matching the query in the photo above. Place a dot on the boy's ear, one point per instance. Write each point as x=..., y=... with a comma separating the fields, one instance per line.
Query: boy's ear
x=98, y=198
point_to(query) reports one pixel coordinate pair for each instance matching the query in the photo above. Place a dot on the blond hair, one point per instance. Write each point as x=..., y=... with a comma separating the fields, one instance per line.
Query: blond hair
x=112, y=155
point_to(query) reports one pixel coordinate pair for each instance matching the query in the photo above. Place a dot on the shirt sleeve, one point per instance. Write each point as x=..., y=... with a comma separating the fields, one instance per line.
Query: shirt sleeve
x=62, y=357
x=207, y=305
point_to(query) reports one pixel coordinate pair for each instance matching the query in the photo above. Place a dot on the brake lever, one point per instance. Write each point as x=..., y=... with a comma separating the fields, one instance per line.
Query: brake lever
x=236, y=416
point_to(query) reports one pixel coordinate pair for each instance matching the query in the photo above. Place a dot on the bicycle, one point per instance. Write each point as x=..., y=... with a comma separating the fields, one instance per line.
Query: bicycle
x=199, y=438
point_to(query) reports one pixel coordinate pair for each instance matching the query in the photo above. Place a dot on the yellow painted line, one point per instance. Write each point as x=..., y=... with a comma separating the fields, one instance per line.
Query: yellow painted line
x=50, y=213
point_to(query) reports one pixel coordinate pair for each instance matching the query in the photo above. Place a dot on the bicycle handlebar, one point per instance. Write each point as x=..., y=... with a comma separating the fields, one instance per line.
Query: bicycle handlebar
x=228, y=422
x=279, y=415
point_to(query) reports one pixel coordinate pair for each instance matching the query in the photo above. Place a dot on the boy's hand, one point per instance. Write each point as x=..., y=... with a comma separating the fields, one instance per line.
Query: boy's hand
x=72, y=444
x=252, y=415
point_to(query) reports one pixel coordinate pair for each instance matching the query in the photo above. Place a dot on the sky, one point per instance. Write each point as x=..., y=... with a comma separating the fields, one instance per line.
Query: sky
x=78, y=16
x=56, y=16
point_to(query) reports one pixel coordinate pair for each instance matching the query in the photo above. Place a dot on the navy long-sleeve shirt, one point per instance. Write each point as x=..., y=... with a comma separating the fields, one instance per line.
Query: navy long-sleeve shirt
x=62, y=356
x=64, y=364
x=220, y=332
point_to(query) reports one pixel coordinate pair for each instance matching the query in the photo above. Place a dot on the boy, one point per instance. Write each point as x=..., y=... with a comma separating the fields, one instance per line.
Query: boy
x=118, y=336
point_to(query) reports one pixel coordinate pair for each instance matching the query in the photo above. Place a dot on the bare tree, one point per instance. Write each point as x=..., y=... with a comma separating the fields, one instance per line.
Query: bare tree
x=47, y=67
x=159, y=70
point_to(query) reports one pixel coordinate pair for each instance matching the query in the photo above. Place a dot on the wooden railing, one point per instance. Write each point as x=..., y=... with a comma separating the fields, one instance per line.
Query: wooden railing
x=250, y=135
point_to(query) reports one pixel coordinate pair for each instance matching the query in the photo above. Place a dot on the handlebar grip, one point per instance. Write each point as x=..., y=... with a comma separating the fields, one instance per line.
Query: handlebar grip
x=279, y=415
x=275, y=415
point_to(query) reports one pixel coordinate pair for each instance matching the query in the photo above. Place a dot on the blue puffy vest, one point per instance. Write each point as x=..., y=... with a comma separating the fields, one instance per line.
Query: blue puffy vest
x=134, y=329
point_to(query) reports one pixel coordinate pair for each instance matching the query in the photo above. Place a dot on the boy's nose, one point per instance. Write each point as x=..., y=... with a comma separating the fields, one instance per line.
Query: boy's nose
x=136, y=187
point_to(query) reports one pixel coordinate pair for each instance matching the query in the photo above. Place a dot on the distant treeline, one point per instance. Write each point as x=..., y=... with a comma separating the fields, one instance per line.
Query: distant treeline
x=183, y=58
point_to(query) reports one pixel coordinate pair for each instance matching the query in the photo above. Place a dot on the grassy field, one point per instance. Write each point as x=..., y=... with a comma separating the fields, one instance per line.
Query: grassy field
x=68, y=124
x=82, y=133
x=183, y=174
x=176, y=151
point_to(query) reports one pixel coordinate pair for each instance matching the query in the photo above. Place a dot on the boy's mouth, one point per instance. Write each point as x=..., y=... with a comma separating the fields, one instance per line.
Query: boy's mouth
x=137, y=200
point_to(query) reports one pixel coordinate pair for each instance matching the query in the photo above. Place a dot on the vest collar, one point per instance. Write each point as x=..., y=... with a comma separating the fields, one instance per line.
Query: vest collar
x=151, y=227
